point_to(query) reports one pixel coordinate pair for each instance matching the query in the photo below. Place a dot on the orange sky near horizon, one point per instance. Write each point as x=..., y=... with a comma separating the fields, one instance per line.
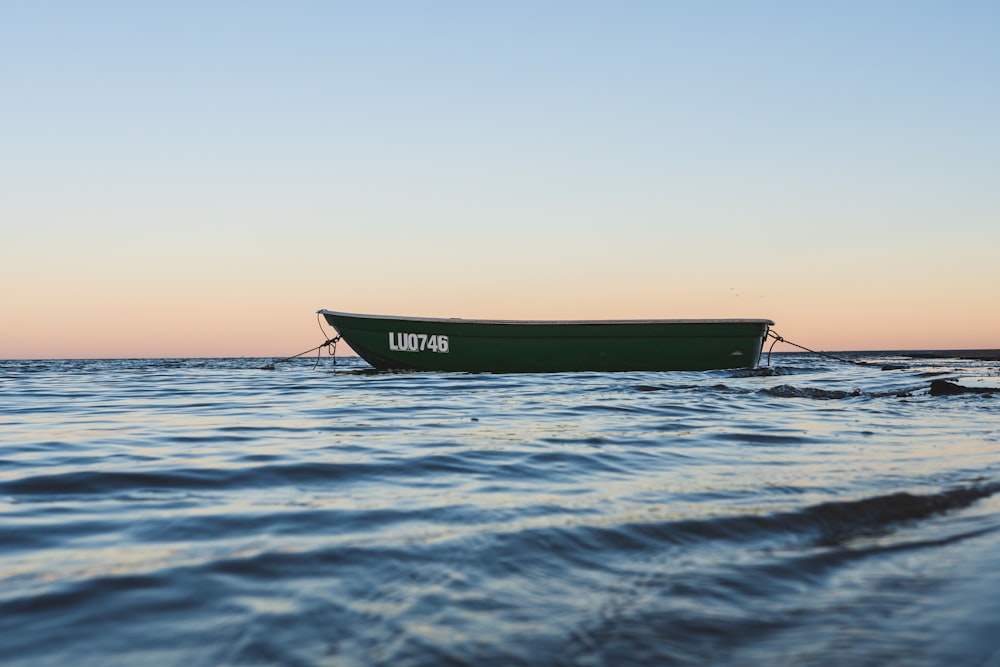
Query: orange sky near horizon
x=258, y=322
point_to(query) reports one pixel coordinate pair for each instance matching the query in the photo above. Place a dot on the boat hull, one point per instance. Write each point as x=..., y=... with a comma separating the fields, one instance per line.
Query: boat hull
x=506, y=346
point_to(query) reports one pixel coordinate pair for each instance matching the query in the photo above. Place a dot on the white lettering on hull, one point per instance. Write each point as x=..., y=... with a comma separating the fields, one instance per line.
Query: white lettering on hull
x=413, y=342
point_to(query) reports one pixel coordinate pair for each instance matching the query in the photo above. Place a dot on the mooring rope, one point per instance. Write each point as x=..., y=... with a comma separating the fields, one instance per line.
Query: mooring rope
x=778, y=339
x=332, y=342
x=329, y=342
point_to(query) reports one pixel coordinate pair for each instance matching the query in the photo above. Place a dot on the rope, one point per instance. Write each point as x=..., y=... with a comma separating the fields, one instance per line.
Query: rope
x=779, y=339
x=330, y=342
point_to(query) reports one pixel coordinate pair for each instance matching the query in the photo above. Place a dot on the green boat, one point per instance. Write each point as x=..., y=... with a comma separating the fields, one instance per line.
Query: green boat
x=534, y=346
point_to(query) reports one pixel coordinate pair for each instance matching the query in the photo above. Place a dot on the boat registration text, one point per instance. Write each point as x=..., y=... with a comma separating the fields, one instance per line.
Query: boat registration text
x=413, y=342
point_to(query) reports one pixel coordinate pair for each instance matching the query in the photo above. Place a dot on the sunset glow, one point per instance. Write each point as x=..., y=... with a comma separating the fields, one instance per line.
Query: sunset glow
x=197, y=180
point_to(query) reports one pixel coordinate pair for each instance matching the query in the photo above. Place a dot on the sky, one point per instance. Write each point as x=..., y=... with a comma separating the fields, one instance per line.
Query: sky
x=197, y=179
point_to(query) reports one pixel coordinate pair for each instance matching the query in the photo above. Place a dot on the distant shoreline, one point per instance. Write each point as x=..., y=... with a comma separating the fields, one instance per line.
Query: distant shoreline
x=983, y=355
x=977, y=355
x=980, y=355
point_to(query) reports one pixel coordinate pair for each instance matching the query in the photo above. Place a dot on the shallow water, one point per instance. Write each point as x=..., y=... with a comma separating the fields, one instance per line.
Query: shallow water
x=207, y=512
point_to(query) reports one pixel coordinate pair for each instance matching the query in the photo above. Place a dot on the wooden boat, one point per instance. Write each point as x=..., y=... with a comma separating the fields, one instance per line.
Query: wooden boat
x=534, y=346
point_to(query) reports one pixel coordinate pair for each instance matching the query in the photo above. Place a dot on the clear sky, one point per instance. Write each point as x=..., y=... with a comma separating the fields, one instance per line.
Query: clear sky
x=194, y=178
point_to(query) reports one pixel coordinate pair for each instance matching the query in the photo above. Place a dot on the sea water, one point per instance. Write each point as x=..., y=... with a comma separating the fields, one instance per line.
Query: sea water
x=209, y=512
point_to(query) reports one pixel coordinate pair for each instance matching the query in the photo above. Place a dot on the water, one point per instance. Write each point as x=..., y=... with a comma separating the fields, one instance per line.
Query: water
x=208, y=512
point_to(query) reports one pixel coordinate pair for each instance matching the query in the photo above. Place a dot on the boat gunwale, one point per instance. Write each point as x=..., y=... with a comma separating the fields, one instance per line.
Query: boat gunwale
x=459, y=320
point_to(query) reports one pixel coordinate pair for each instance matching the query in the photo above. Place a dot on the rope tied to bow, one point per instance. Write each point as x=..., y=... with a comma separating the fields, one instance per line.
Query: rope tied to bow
x=776, y=338
x=330, y=343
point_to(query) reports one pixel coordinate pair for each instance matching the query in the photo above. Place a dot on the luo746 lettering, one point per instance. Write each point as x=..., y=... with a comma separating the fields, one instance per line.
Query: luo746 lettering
x=414, y=342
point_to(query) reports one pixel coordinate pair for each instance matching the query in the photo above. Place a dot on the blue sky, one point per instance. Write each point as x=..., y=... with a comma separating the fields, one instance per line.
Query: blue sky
x=169, y=168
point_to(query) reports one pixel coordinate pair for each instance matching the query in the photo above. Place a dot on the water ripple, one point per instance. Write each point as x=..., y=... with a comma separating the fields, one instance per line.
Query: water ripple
x=205, y=512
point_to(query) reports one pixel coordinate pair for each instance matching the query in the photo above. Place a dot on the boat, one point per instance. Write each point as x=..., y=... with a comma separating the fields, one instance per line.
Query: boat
x=546, y=346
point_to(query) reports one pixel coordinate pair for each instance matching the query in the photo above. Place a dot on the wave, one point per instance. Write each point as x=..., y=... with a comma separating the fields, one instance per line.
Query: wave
x=191, y=479
x=823, y=525
x=655, y=591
